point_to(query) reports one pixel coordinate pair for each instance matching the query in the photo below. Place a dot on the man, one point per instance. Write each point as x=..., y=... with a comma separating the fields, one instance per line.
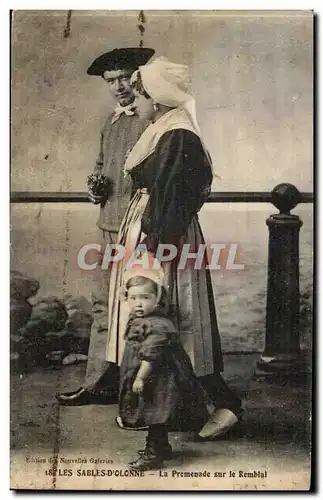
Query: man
x=120, y=132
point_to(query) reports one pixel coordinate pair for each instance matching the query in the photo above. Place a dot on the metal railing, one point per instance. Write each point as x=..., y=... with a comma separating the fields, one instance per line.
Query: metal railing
x=82, y=197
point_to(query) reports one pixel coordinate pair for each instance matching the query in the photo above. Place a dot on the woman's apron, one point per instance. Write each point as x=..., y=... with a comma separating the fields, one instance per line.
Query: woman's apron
x=189, y=293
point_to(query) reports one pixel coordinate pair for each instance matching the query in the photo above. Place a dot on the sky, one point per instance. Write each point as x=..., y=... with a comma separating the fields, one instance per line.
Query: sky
x=251, y=77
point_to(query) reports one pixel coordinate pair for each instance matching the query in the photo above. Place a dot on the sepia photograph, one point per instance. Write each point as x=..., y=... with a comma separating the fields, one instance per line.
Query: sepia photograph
x=161, y=250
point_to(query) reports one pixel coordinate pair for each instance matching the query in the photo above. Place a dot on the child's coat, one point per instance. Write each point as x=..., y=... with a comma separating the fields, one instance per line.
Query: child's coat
x=172, y=394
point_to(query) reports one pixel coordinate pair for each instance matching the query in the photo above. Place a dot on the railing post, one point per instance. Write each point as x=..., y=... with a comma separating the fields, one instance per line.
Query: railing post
x=282, y=348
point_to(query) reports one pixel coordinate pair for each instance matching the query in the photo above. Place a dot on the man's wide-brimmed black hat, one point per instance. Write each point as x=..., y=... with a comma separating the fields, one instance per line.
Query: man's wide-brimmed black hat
x=126, y=58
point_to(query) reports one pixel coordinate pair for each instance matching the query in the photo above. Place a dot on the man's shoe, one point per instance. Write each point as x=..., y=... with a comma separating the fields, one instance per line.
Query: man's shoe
x=83, y=397
x=166, y=453
x=119, y=422
x=65, y=396
x=220, y=422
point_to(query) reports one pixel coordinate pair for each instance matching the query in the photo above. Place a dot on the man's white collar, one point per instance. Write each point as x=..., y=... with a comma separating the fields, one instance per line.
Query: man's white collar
x=129, y=110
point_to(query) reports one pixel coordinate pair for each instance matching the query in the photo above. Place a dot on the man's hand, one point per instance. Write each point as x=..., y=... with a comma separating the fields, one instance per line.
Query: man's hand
x=96, y=199
x=138, y=386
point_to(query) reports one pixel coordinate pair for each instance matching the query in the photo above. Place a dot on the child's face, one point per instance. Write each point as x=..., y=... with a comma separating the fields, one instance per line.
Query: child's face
x=141, y=300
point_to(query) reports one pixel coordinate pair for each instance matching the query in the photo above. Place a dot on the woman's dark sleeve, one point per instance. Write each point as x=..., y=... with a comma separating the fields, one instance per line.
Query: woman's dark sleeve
x=183, y=177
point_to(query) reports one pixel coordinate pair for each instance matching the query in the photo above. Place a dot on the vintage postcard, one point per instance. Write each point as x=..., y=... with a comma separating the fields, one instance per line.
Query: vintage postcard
x=161, y=250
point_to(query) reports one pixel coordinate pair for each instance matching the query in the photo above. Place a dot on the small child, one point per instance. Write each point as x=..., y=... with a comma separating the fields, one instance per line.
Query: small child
x=158, y=387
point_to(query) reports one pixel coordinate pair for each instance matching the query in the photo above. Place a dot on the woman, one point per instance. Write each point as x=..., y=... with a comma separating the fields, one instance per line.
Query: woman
x=171, y=174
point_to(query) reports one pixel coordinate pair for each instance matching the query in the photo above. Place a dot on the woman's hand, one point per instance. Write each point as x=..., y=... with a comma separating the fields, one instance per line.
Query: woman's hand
x=138, y=386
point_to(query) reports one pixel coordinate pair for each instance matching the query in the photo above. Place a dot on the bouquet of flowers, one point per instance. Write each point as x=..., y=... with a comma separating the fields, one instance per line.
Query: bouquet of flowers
x=100, y=185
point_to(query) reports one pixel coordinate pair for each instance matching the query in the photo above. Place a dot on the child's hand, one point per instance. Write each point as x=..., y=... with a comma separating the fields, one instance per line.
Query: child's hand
x=138, y=386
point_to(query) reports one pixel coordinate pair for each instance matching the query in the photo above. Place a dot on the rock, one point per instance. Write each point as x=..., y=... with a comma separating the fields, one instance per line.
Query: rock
x=66, y=341
x=22, y=286
x=20, y=311
x=57, y=340
x=55, y=357
x=57, y=335
x=74, y=358
x=16, y=341
x=76, y=345
x=53, y=331
x=80, y=318
x=16, y=338
x=78, y=303
x=49, y=348
x=79, y=323
x=15, y=362
x=48, y=314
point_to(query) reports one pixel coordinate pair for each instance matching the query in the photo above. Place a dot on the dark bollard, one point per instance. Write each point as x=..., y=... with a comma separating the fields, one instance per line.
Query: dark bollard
x=282, y=349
